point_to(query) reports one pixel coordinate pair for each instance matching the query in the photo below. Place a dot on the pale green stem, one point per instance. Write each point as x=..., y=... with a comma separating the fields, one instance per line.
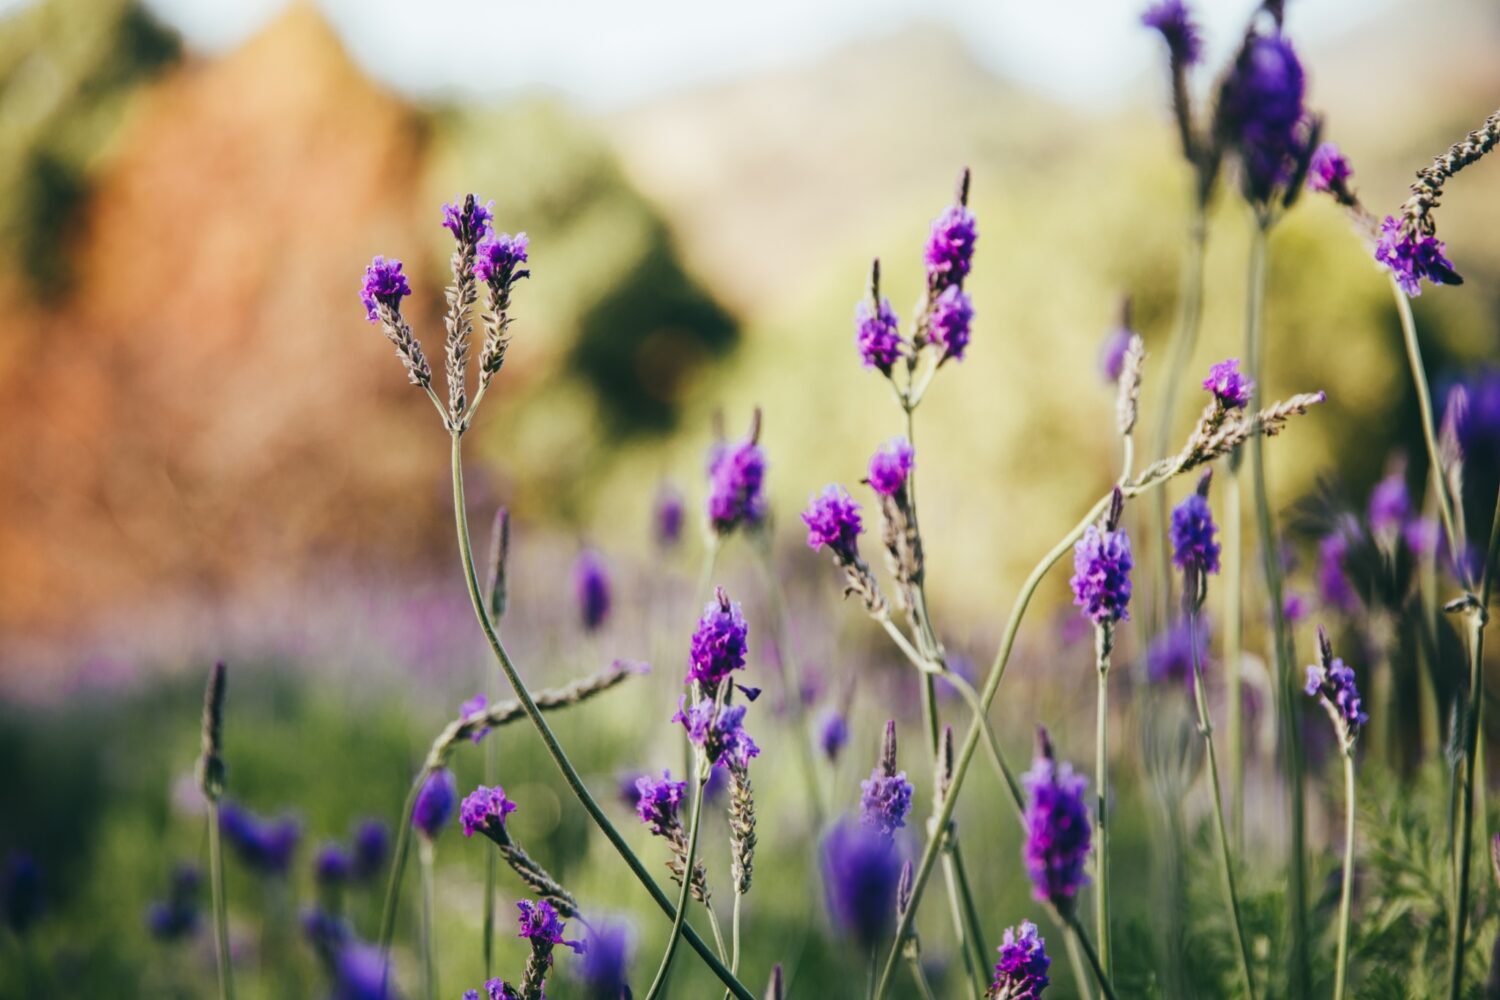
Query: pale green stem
x=398, y=869
x=919, y=976
x=1101, y=810
x=1346, y=893
x=1234, y=645
x=429, y=916
x=734, y=927
x=660, y=981
x=221, y=905
x=554, y=749
x=1081, y=977
x=1100, y=976
x=713, y=925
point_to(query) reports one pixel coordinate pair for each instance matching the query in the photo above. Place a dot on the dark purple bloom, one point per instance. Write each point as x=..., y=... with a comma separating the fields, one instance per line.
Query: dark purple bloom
x=667, y=519
x=494, y=989
x=1101, y=575
x=1293, y=607
x=177, y=916
x=332, y=865
x=890, y=467
x=484, y=808
x=736, y=482
x=472, y=707
x=1021, y=973
x=324, y=930
x=1412, y=257
x=359, y=973
x=878, y=336
x=833, y=733
x=1335, y=685
x=264, y=845
x=1057, y=831
x=950, y=247
x=948, y=322
x=1472, y=409
x=372, y=844
x=1423, y=535
x=719, y=642
x=604, y=969
x=884, y=801
x=21, y=892
x=1174, y=21
x=720, y=733
x=384, y=284
x=1328, y=170
x=861, y=870
x=832, y=519
x=1260, y=110
x=497, y=258
x=591, y=588
x=435, y=802
x=658, y=802
x=1229, y=386
x=467, y=226
x=1390, y=505
x=540, y=923
x=1169, y=658
x=1192, y=533
x=1333, y=582
x=1112, y=353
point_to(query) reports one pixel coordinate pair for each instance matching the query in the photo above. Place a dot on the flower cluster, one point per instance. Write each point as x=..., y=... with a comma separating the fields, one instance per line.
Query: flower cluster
x=371, y=847
x=1101, y=575
x=1192, y=531
x=1328, y=170
x=435, y=801
x=861, y=871
x=950, y=247
x=832, y=519
x=1021, y=973
x=719, y=642
x=1169, y=657
x=591, y=588
x=540, y=924
x=667, y=518
x=177, y=916
x=658, y=802
x=833, y=733
x=605, y=968
x=1058, y=832
x=948, y=322
x=494, y=989
x=1333, y=684
x=332, y=865
x=1174, y=21
x=1112, y=353
x=1261, y=113
x=383, y=285
x=877, y=334
x=1229, y=385
x=1413, y=256
x=484, y=811
x=719, y=731
x=499, y=257
x=467, y=219
x=475, y=708
x=736, y=483
x=264, y=845
x=1390, y=505
x=891, y=466
x=885, y=797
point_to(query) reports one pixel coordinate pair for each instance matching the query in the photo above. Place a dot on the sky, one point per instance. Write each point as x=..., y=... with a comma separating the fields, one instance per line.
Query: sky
x=606, y=54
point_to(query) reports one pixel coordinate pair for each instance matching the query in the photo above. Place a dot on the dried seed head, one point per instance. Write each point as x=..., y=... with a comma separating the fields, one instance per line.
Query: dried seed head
x=741, y=827
x=1128, y=403
x=1427, y=190
x=499, y=555
x=961, y=191
x=888, y=749
x=211, y=762
x=945, y=764
x=904, y=890
x=1044, y=744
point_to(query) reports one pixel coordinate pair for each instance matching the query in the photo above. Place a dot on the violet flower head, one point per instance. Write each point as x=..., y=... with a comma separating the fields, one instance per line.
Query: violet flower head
x=591, y=588
x=666, y=519
x=499, y=256
x=494, y=989
x=1112, y=353
x=861, y=871
x=948, y=322
x=1328, y=170
x=1192, y=532
x=658, y=802
x=21, y=897
x=1229, y=385
x=1021, y=973
x=1334, y=588
x=891, y=466
x=1101, y=575
x=720, y=734
x=833, y=733
x=1169, y=658
x=1334, y=684
x=832, y=519
x=372, y=845
x=1293, y=607
x=540, y=924
x=484, y=810
x=878, y=336
x=472, y=707
x=332, y=865
x=264, y=845
x=1390, y=505
x=884, y=801
x=467, y=221
x=1414, y=256
x=950, y=247
x=736, y=485
x=1058, y=832
x=359, y=973
x=435, y=801
x=383, y=285
x=719, y=642
x=604, y=970
x=1423, y=536
x=1175, y=22
x=1261, y=112
x=177, y=916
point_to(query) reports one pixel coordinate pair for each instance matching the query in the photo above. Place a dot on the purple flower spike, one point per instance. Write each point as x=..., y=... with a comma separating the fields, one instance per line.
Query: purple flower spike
x=658, y=802
x=1412, y=257
x=263, y=845
x=605, y=968
x=541, y=924
x=861, y=870
x=591, y=588
x=949, y=321
x=719, y=642
x=1169, y=658
x=484, y=810
x=1173, y=19
x=494, y=989
x=1057, y=830
x=1328, y=170
x=360, y=973
x=833, y=733
x=332, y=865
x=1192, y=531
x=736, y=484
x=1333, y=582
x=885, y=801
x=1334, y=684
x=950, y=247
x=832, y=519
x=177, y=917
x=1390, y=505
x=667, y=517
x=878, y=336
x=384, y=285
x=1112, y=353
x=891, y=466
x=721, y=735
x=499, y=256
x=1260, y=108
x=372, y=844
x=1101, y=575
x=467, y=226
x=472, y=707
x=1021, y=973
x=1229, y=386
x=435, y=802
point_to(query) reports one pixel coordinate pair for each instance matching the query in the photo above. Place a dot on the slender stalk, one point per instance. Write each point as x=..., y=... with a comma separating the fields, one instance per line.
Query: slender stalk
x=1291, y=735
x=1234, y=645
x=734, y=933
x=971, y=915
x=221, y=908
x=1100, y=975
x=429, y=915
x=960, y=928
x=554, y=749
x=919, y=976
x=1081, y=977
x=660, y=980
x=398, y=868
x=713, y=926
x=1102, y=641
x=1226, y=863
x=1346, y=894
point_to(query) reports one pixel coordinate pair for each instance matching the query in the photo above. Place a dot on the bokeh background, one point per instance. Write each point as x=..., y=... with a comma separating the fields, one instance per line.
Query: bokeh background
x=210, y=454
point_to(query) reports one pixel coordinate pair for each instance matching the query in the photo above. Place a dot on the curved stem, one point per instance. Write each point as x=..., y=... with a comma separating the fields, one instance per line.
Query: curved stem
x=1346, y=894
x=429, y=907
x=1081, y=977
x=1234, y=646
x=398, y=869
x=919, y=976
x=1100, y=976
x=1101, y=808
x=221, y=904
x=660, y=979
x=554, y=749
x=713, y=926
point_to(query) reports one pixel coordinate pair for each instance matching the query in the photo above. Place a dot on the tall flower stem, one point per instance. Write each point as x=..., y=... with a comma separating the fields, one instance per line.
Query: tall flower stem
x=1100, y=976
x=1234, y=645
x=1226, y=862
x=429, y=916
x=221, y=908
x=1102, y=642
x=1081, y=975
x=683, y=894
x=398, y=867
x=791, y=680
x=1346, y=893
x=554, y=749
x=919, y=976
x=1477, y=612
x=1291, y=734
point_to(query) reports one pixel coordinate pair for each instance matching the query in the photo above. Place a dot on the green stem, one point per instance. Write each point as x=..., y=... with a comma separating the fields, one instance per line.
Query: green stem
x=221, y=904
x=660, y=980
x=1234, y=645
x=919, y=976
x=1226, y=863
x=1346, y=893
x=554, y=749
x=971, y=914
x=1291, y=735
x=734, y=933
x=1081, y=977
x=1102, y=642
x=429, y=915
x=1100, y=975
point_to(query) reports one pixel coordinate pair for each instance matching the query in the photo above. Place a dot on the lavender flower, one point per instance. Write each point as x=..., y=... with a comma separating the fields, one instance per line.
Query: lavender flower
x=1333, y=683
x=494, y=989
x=1021, y=973
x=1101, y=575
x=472, y=707
x=1112, y=353
x=1057, y=829
x=591, y=587
x=885, y=799
x=541, y=924
x=1192, y=532
x=1413, y=256
x=891, y=466
x=1333, y=582
x=736, y=482
x=667, y=517
x=468, y=221
x=1423, y=535
x=718, y=731
x=604, y=970
x=263, y=845
x=832, y=519
x=1328, y=170
x=1169, y=658
x=950, y=247
x=384, y=285
x=1229, y=386
x=1261, y=112
x=1174, y=21
x=485, y=809
x=498, y=257
x=435, y=802
x=878, y=336
x=1390, y=505
x=1293, y=607
x=948, y=322
x=719, y=642
x=658, y=802
x=332, y=865
x=177, y=917
x=861, y=870
x=360, y=973
x=833, y=733
x=372, y=844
